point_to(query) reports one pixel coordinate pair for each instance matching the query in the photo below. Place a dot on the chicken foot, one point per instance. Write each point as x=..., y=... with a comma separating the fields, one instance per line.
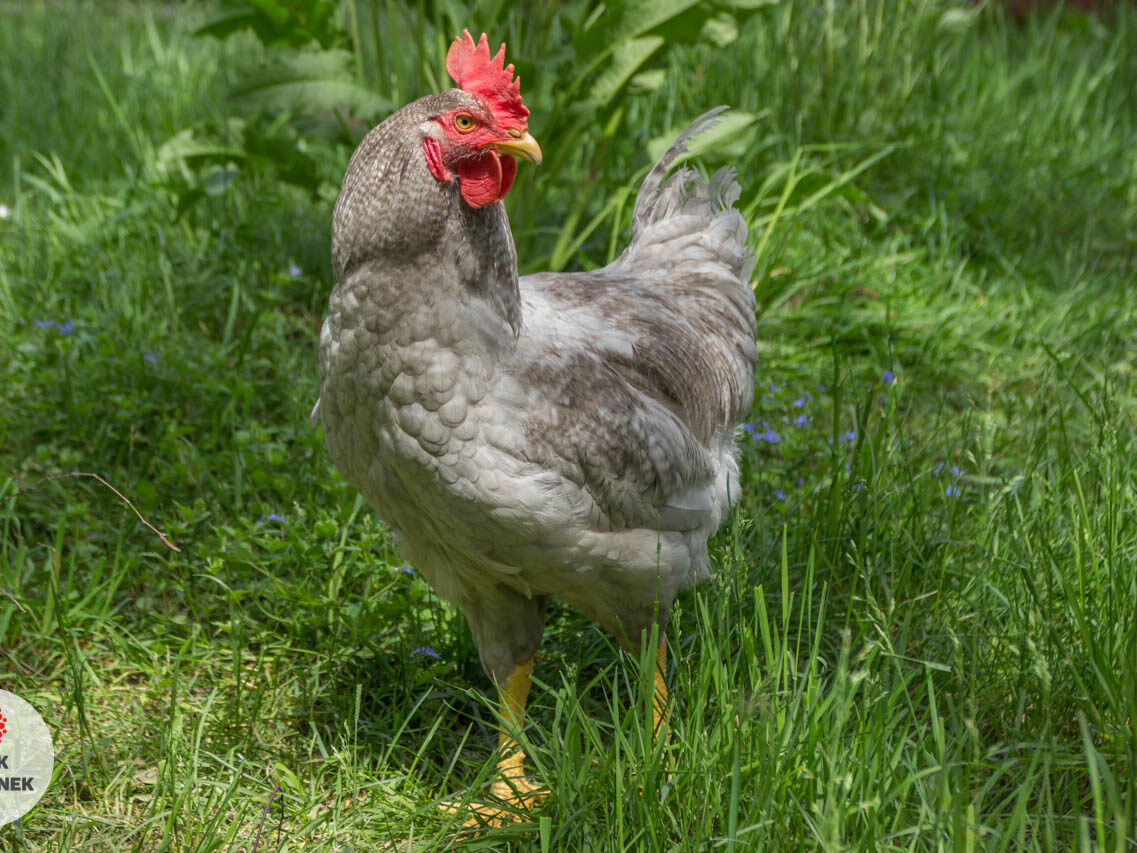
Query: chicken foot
x=511, y=788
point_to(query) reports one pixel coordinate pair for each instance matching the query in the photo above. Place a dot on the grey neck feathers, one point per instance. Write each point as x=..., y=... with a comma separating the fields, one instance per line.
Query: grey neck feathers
x=403, y=241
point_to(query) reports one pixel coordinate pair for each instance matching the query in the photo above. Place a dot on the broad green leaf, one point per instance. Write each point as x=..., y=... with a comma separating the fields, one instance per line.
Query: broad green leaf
x=720, y=30
x=626, y=61
x=279, y=147
x=275, y=23
x=647, y=81
x=187, y=147
x=624, y=21
x=311, y=82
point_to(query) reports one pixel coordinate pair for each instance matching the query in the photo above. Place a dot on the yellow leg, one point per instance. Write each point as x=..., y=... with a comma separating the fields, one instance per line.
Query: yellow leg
x=658, y=684
x=659, y=699
x=511, y=786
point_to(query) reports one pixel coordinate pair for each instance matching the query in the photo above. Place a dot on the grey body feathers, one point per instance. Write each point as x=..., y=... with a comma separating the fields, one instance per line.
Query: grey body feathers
x=558, y=434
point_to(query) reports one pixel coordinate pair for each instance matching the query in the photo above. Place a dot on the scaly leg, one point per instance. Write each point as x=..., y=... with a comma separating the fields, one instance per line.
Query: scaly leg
x=511, y=786
x=658, y=684
x=659, y=698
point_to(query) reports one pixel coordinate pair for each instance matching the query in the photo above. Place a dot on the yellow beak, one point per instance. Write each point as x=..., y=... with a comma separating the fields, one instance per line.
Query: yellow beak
x=520, y=146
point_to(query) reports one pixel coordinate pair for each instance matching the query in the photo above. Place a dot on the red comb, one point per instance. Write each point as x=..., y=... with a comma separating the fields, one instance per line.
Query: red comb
x=476, y=73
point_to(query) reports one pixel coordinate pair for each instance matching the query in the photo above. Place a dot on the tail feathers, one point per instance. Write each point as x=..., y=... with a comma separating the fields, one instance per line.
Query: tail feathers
x=687, y=235
x=651, y=204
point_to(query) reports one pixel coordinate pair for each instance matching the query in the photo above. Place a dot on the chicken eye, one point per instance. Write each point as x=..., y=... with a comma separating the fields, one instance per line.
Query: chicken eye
x=465, y=123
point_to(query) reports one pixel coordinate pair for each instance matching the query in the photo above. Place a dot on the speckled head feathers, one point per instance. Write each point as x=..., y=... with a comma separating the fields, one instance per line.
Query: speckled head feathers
x=488, y=79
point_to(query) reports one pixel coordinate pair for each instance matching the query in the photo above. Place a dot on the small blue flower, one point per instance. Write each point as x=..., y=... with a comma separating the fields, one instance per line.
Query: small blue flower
x=771, y=436
x=425, y=652
x=883, y=398
x=799, y=403
x=272, y=516
x=851, y=435
x=955, y=470
x=45, y=324
x=821, y=387
x=66, y=327
x=294, y=270
x=780, y=494
x=801, y=421
x=858, y=487
x=407, y=570
x=888, y=377
x=938, y=468
x=951, y=491
x=749, y=428
x=150, y=357
x=773, y=388
x=799, y=482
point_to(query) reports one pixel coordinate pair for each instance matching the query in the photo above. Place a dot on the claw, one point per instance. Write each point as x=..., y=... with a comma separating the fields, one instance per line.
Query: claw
x=516, y=797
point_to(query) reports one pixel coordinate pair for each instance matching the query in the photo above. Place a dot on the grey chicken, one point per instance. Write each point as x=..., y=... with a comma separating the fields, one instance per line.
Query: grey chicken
x=565, y=434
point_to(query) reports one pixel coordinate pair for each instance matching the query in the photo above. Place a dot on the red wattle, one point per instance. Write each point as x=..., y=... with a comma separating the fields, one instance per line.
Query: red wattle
x=482, y=179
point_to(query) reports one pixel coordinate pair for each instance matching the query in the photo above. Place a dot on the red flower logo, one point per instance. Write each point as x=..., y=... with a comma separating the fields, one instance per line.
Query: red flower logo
x=3, y=728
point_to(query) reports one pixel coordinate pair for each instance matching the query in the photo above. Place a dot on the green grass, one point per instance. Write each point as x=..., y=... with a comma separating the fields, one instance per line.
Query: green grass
x=929, y=644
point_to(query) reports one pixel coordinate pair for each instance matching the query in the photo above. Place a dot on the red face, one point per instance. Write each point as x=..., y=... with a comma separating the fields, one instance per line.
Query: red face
x=478, y=149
